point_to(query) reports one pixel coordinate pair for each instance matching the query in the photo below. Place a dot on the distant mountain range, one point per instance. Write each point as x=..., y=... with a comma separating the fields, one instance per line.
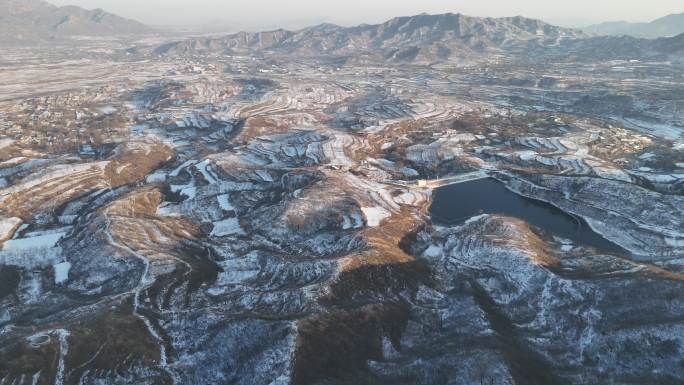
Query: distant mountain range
x=432, y=38
x=668, y=26
x=34, y=21
x=403, y=38
x=421, y=38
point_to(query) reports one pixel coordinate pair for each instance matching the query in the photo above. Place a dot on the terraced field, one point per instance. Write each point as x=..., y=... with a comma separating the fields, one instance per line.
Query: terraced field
x=253, y=217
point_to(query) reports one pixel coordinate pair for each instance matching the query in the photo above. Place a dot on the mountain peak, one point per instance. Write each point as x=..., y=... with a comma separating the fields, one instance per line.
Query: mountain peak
x=36, y=21
x=667, y=26
x=424, y=37
x=16, y=7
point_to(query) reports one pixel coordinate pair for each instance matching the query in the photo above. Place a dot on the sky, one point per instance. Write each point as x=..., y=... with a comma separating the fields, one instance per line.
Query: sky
x=265, y=14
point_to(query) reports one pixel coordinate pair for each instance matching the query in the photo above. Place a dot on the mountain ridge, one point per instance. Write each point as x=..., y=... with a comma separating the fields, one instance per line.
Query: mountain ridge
x=432, y=38
x=413, y=36
x=37, y=21
x=666, y=26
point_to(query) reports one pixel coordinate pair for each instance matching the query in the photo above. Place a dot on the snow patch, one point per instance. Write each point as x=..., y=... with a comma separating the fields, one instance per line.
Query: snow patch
x=156, y=177
x=8, y=226
x=387, y=146
x=353, y=221
x=189, y=190
x=264, y=175
x=6, y=142
x=180, y=168
x=375, y=215
x=31, y=243
x=674, y=242
x=108, y=110
x=224, y=202
x=61, y=272
x=203, y=167
x=433, y=251
x=230, y=226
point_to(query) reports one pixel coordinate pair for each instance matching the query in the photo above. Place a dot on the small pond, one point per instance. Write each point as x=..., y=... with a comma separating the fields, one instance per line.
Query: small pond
x=453, y=204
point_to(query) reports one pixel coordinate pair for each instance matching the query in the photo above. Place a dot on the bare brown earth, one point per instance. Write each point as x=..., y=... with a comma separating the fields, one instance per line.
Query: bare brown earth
x=242, y=217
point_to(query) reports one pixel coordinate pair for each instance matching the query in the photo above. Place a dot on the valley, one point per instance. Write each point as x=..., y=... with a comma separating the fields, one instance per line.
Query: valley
x=256, y=208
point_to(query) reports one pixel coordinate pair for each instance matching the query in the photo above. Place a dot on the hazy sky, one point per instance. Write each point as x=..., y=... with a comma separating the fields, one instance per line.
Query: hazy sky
x=257, y=14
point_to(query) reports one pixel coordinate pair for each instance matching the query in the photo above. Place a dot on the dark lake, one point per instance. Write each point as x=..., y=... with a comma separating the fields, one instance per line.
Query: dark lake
x=456, y=203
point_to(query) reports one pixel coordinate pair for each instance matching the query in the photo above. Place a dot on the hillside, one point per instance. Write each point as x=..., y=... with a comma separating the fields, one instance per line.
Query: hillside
x=432, y=38
x=35, y=21
x=427, y=37
x=668, y=26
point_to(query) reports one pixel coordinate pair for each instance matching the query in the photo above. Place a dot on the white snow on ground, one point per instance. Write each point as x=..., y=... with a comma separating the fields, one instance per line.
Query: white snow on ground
x=6, y=142
x=21, y=228
x=387, y=146
x=346, y=223
x=206, y=171
x=53, y=172
x=139, y=128
x=433, y=251
x=527, y=155
x=108, y=110
x=167, y=209
x=353, y=221
x=37, y=242
x=230, y=226
x=674, y=242
x=264, y=175
x=660, y=178
x=646, y=156
x=409, y=172
x=67, y=219
x=411, y=198
x=475, y=219
x=224, y=202
x=666, y=131
x=63, y=350
x=62, y=272
x=607, y=172
x=14, y=161
x=189, y=190
x=181, y=167
x=8, y=226
x=122, y=167
x=375, y=191
x=236, y=271
x=375, y=215
x=35, y=251
x=334, y=150
x=158, y=176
